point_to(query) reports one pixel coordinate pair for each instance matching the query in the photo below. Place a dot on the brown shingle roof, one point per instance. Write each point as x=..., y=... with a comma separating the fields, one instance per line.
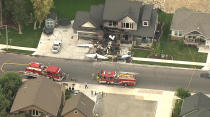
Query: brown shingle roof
x=80, y=102
x=42, y=93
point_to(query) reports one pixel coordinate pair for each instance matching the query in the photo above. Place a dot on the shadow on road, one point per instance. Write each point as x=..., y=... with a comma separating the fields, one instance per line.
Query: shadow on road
x=204, y=75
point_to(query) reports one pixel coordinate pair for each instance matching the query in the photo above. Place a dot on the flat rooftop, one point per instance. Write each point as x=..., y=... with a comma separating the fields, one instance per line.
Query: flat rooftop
x=125, y=106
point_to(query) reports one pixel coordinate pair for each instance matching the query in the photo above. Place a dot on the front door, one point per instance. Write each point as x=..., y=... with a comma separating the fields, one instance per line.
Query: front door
x=126, y=37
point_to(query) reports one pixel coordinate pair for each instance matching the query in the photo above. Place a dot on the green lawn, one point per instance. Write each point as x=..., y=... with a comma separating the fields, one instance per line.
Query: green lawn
x=29, y=38
x=68, y=8
x=141, y=53
x=176, y=48
x=64, y=8
x=19, y=51
x=167, y=64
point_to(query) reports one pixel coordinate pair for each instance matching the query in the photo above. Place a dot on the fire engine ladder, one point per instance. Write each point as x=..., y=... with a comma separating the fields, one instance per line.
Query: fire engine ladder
x=14, y=64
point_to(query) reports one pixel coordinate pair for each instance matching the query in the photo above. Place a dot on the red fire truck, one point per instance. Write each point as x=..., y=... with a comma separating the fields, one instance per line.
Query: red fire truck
x=121, y=78
x=37, y=69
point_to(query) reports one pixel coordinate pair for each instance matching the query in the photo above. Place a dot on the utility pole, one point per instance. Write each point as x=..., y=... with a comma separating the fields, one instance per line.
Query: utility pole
x=6, y=37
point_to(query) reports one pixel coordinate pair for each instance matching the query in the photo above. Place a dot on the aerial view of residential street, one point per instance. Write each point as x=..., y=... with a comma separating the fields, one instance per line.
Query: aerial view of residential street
x=104, y=58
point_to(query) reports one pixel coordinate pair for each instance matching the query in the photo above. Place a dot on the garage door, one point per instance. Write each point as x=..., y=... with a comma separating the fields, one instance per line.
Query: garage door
x=85, y=35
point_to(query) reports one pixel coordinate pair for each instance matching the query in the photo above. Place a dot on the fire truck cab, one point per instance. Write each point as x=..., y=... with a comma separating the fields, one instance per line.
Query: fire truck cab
x=121, y=78
x=37, y=69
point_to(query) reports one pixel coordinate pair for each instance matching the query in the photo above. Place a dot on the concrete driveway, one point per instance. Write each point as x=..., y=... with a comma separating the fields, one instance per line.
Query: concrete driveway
x=127, y=106
x=69, y=49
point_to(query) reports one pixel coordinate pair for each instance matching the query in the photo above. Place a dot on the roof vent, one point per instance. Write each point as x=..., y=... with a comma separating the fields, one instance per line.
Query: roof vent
x=198, y=28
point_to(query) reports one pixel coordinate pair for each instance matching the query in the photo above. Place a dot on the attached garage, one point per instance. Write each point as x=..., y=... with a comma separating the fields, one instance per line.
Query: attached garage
x=87, y=35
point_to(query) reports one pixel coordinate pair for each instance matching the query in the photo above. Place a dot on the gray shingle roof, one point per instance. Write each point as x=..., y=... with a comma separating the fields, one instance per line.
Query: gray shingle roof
x=52, y=15
x=147, y=12
x=148, y=31
x=116, y=10
x=42, y=93
x=94, y=17
x=198, y=104
x=188, y=21
x=80, y=102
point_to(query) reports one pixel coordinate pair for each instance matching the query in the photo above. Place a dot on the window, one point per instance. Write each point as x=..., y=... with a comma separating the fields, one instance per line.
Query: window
x=127, y=25
x=35, y=113
x=114, y=23
x=75, y=111
x=50, y=24
x=145, y=23
x=124, y=25
x=180, y=34
x=110, y=23
x=131, y=25
x=175, y=33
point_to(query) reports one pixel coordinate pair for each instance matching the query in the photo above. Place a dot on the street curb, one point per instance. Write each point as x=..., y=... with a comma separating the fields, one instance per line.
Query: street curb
x=107, y=62
x=157, y=66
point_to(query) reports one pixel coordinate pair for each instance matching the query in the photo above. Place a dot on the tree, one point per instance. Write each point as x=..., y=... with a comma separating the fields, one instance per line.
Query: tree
x=18, y=10
x=19, y=13
x=182, y=93
x=10, y=83
x=4, y=105
x=41, y=10
x=1, y=21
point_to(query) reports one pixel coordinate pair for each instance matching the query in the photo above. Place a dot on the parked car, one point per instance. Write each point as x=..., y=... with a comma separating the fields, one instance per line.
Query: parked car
x=56, y=47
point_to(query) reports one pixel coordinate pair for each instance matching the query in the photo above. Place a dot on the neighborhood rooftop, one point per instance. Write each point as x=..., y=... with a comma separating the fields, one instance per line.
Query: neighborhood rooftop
x=94, y=17
x=197, y=105
x=188, y=21
x=116, y=10
x=147, y=31
x=81, y=102
x=41, y=93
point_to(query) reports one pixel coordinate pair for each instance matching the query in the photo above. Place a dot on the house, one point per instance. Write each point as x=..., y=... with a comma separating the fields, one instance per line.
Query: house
x=51, y=20
x=50, y=23
x=124, y=21
x=78, y=105
x=191, y=26
x=88, y=25
x=197, y=105
x=39, y=97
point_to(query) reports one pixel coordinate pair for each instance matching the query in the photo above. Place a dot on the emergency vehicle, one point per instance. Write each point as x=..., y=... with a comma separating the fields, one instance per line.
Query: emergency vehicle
x=52, y=72
x=120, y=78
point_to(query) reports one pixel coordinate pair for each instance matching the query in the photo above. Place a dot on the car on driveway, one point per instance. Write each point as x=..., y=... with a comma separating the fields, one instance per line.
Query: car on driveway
x=56, y=47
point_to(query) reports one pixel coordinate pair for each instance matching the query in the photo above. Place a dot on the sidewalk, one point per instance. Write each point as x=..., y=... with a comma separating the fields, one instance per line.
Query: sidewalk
x=165, y=99
x=207, y=66
x=168, y=61
x=2, y=46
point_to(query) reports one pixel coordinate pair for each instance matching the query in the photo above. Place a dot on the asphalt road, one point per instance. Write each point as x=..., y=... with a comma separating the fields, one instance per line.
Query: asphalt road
x=148, y=76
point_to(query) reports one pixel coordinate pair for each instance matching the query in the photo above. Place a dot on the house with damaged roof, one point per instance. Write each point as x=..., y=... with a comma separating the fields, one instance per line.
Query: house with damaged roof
x=197, y=105
x=192, y=27
x=122, y=21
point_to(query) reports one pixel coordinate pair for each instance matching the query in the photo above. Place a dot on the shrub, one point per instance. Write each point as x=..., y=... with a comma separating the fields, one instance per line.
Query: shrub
x=182, y=93
x=177, y=108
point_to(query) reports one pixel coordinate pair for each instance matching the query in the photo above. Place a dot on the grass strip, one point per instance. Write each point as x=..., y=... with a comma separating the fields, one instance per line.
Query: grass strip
x=167, y=64
x=19, y=51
